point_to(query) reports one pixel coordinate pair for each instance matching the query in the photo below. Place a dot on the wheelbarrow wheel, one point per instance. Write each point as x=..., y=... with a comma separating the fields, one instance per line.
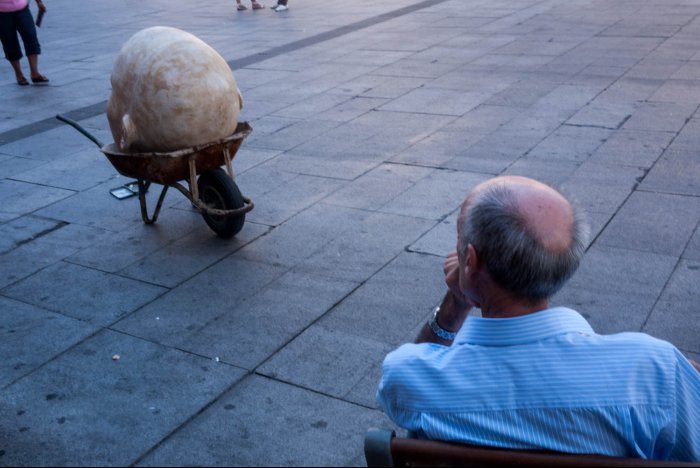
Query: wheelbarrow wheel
x=217, y=190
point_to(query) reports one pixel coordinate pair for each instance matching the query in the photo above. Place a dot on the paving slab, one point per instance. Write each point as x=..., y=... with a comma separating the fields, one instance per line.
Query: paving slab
x=250, y=333
x=86, y=400
x=665, y=228
x=32, y=336
x=303, y=427
x=72, y=289
x=673, y=317
x=391, y=303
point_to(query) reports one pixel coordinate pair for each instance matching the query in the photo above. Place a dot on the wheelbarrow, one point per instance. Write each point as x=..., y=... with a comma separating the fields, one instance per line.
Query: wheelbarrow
x=215, y=193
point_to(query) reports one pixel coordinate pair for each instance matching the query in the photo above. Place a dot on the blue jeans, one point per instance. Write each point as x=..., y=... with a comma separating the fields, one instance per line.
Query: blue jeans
x=20, y=22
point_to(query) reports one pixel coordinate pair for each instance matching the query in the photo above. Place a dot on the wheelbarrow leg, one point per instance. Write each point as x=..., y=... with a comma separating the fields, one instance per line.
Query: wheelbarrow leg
x=143, y=187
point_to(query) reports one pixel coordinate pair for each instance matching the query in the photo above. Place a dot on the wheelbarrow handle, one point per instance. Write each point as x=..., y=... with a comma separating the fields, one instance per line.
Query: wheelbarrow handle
x=79, y=128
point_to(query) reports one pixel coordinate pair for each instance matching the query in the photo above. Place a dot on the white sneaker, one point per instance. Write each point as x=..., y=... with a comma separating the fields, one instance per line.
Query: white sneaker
x=279, y=8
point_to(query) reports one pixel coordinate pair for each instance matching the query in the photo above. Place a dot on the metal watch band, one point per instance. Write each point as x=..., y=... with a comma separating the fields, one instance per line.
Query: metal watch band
x=437, y=329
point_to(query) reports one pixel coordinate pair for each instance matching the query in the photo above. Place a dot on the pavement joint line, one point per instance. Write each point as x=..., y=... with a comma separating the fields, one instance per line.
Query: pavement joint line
x=96, y=109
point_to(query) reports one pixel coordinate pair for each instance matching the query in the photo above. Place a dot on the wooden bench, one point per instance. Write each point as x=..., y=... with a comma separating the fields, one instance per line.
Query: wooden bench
x=383, y=448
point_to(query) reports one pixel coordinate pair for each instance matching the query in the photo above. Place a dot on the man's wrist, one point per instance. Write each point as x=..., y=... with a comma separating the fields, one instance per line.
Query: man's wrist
x=437, y=329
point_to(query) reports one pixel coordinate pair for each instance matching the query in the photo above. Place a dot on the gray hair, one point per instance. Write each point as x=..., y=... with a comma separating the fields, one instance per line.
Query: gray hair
x=514, y=256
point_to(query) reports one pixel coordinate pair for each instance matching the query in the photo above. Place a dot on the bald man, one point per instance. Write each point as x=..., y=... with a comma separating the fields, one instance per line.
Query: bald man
x=526, y=375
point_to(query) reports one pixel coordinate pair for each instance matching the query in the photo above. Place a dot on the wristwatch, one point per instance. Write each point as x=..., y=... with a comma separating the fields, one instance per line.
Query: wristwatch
x=437, y=329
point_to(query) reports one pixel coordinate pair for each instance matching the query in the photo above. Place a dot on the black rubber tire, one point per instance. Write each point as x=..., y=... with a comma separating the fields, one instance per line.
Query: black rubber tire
x=217, y=190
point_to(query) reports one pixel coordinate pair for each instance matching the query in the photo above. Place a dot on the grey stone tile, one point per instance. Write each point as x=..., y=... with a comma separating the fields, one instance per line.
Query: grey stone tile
x=378, y=186
x=341, y=167
x=685, y=91
x=33, y=336
x=189, y=255
x=602, y=188
x=288, y=199
x=626, y=90
x=543, y=121
x=43, y=251
x=440, y=147
x=79, y=171
x=485, y=117
x=85, y=407
x=291, y=136
x=659, y=68
x=53, y=144
x=393, y=302
x=362, y=249
x=325, y=360
x=617, y=288
x=633, y=147
x=407, y=68
x=72, y=289
x=96, y=207
x=251, y=332
x=176, y=315
x=660, y=116
x=567, y=97
x=599, y=113
x=496, y=152
x=260, y=413
x=305, y=234
x=115, y=251
x=653, y=222
x=523, y=93
x=436, y=101
x=22, y=198
x=22, y=230
x=351, y=109
x=674, y=317
x=440, y=240
x=476, y=81
x=692, y=250
x=384, y=87
x=676, y=171
x=553, y=172
x=570, y=143
x=312, y=106
x=16, y=165
x=434, y=196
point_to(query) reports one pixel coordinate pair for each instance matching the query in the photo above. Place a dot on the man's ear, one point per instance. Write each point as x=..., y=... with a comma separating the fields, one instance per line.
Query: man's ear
x=472, y=263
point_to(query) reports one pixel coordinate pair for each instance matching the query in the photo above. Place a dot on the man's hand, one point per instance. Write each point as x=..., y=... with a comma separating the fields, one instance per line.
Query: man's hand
x=454, y=307
x=40, y=5
x=451, y=269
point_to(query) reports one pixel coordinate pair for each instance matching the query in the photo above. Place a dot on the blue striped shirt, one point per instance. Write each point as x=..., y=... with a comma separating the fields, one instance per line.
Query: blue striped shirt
x=547, y=381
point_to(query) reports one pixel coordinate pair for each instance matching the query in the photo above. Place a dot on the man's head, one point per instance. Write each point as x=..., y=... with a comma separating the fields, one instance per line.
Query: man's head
x=523, y=235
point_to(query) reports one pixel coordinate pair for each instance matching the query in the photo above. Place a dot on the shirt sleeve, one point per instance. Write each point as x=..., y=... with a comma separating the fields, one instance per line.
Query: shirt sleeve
x=687, y=443
x=400, y=383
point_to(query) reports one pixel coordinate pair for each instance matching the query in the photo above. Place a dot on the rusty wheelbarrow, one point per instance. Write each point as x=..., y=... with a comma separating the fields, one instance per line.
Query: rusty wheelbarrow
x=215, y=193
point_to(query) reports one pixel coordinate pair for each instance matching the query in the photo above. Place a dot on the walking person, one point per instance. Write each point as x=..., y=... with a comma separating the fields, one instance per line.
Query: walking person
x=15, y=18
x=281, y=6
x=253, y=3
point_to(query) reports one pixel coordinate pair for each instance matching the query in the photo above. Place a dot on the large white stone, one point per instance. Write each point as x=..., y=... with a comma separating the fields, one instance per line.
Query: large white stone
x=170, y=90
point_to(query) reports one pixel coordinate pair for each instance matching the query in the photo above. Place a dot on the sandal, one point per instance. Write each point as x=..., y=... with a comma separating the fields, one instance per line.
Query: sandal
x=242, y=7
x=257, y=6
x=22, y=81
x=41, y=79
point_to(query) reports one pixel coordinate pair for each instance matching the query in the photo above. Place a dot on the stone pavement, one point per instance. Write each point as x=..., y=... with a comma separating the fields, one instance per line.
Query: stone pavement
x=371, y=122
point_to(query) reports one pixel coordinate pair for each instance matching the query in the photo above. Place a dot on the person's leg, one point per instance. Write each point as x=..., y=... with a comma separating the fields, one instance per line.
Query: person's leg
x=32, y=49
x=10, y=45
x=256, y=5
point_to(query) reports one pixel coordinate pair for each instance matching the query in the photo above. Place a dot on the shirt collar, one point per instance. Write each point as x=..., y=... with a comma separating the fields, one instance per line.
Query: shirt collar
x=523, y=329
